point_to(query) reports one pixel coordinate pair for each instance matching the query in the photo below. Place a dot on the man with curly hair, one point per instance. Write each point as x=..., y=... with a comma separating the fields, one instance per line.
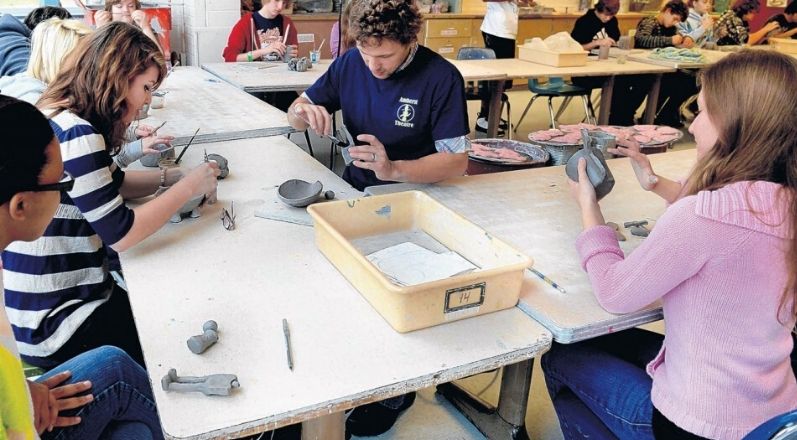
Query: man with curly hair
x=403, y=103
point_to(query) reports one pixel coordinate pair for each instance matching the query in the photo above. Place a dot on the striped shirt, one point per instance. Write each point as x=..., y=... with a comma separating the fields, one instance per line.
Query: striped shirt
x=731, y=29
x=693, y=27
x=52, y=285
x=650, y=34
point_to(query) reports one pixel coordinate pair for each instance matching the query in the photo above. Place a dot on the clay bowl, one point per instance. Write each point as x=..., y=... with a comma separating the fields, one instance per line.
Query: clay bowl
x=298, y=193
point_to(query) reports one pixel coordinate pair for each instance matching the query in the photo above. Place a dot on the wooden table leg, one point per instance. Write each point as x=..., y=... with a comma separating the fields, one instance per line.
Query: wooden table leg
x=329, y=427
x=508, y=420
x=653, y=100
x=606, y=101
x=494, y=113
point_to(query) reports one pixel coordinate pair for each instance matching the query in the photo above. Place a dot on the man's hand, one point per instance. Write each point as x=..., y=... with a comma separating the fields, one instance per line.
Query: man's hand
x=315, y=116
x=707, y=21
x=373, y=157
x=677, y=40
x=688, y=42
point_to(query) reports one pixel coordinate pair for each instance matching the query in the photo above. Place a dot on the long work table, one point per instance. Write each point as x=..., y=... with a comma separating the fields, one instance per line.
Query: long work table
x=196, y=99
x=250, y=278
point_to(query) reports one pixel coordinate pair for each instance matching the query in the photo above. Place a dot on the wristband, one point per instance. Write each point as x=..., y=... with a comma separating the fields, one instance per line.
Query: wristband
x=249, y=56
x=163, y=176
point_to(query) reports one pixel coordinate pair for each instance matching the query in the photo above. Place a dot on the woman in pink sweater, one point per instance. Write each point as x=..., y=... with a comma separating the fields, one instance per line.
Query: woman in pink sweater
x=722, y=259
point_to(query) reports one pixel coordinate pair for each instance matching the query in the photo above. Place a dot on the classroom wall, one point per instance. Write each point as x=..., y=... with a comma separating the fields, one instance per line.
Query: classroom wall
x=200, y=28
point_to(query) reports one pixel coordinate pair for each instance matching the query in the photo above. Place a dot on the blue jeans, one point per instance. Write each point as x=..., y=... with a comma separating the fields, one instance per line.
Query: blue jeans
x=123, y=407
x=599, y=387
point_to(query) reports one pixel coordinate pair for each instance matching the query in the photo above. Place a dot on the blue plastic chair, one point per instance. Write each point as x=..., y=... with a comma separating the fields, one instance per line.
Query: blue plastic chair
x=476, y=92
x=556, y=87
x=782, y=427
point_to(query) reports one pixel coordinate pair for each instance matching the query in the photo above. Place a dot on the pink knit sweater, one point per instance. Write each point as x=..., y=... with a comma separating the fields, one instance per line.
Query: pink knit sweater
x=717, y=261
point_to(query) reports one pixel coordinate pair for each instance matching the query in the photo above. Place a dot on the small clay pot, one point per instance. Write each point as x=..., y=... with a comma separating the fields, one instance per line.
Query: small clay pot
x=153, y=160
x=224, y=167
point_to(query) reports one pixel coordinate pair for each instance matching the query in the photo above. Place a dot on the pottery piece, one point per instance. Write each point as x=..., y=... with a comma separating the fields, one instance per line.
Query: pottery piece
x=299, y=64
x=597, y=171
x=153, y=160
x=211, y=385
x=223, y=164
x=210, y=335
x=190, y=209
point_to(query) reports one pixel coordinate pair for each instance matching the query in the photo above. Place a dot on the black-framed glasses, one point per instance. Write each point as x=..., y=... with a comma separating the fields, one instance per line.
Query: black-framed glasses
x=66, y=183
x=228, y=217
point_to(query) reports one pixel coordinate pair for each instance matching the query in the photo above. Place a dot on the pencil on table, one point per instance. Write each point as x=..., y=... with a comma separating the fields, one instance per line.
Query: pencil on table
x=542, y=276
x=287, y=334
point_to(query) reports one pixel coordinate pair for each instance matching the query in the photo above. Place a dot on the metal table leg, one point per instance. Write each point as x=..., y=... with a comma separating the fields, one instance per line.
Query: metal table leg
x=653, y=100
x=508, y=420
x=329, y=427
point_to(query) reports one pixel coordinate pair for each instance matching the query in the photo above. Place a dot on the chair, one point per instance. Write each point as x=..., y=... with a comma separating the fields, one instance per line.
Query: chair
x=476, y=92
x=556, y=88
x=782, y=427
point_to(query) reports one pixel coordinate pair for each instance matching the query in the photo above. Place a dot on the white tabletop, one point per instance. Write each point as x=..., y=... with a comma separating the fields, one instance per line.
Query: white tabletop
x=197, y=99
x=250, y=278
x=710, y=57
x=532, y=209
x=516, y=68
x=267, y=76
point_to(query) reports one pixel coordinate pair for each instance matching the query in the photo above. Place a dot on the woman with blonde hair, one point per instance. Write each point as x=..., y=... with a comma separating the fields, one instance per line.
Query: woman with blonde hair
x=95, y=97
x=723, y=261
x=51, y=42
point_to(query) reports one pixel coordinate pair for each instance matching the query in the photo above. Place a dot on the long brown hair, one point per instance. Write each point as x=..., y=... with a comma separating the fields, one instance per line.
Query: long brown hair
x=751, y=100
x=95, y=78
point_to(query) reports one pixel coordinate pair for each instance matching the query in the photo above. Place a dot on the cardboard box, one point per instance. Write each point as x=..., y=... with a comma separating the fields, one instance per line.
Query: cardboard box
x=494, y=286
x=556, y=59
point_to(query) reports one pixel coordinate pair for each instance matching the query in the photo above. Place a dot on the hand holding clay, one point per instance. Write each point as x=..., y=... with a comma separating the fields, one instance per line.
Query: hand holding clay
x=102, y=18
x=316, y=116
x=202, y=179
x=640, y=163
x=156, y=144
x=373, y=157
x=273, y=47
x=583, y=191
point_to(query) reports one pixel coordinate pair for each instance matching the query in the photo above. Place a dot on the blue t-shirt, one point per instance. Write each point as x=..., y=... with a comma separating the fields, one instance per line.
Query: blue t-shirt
x=407, y=112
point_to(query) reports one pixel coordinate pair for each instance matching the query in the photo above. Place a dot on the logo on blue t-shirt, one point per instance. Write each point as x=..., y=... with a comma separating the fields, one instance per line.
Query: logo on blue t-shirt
x=406, y=112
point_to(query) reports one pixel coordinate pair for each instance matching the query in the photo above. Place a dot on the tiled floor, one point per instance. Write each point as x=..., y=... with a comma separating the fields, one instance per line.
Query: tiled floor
x=431, y=417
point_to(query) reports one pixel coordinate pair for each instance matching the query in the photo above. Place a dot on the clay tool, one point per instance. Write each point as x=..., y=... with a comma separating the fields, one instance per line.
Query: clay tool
x=321, y=45
x=287, y=333
x=177, y=161
x=157, y=128
x=542, y=276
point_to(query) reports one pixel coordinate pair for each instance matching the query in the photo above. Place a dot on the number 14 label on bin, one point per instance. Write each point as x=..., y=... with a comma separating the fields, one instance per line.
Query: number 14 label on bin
x=464, y=300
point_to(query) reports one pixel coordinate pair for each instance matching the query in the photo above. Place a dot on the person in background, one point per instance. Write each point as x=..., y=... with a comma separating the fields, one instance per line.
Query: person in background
x=658, y=32
x=599, y=27
x=127, y=11
x=15, y=37
x=51, y=42
x=661, y=30
x=787, y=23
x=699, y=24
x=339, y=39
x=499, y=30
x=90, y=104
x=723, y=261
x=405, y=105
x=260, y=33
x=60, y=404
x=733, y=28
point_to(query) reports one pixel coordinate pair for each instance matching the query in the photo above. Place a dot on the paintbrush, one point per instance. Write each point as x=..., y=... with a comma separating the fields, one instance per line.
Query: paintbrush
x=287, y=30
x=321, y=45
x=177, y=161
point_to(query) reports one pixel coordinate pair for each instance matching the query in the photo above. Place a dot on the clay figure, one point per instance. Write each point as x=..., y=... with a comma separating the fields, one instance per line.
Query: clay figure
x=639, y=231
x=597, y=171
x=224, y=166
x=635, y=223
x=211, y=385
x=210, y=334
x=299, y=64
